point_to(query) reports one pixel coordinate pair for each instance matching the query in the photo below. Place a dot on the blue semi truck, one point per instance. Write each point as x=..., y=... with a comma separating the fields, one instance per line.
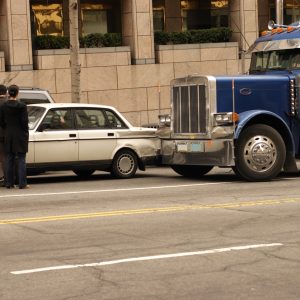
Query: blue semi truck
x=250, y=123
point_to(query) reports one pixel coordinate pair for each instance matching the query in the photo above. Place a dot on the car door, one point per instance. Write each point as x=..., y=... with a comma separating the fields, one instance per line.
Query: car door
x=97, y=140
x=56, y=139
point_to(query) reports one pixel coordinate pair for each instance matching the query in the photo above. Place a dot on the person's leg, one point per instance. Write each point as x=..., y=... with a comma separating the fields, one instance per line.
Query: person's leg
x=16, y=170
x=10, y=169
x=2, y=162
x=22, y=170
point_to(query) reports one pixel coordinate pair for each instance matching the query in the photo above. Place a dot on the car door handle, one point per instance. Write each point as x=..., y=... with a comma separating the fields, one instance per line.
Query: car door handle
x=110, y=134
x=72, y=135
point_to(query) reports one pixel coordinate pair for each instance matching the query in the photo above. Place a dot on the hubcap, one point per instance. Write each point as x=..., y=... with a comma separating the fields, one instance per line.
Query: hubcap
x=260, y=153
x=125, y=164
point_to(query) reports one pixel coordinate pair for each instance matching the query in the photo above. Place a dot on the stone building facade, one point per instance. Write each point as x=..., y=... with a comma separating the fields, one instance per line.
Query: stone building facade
x=135, y=77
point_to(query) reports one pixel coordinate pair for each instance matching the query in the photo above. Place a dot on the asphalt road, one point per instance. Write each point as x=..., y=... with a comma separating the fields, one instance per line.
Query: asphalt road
x=156, y=236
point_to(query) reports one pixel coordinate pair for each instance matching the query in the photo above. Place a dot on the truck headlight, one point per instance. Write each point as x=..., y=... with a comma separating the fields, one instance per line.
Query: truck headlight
x=164, y=120
x=226, y=118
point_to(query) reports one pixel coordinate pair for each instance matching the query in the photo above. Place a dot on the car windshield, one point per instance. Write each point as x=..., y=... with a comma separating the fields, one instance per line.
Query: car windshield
x=34, y=115
x=275, y=60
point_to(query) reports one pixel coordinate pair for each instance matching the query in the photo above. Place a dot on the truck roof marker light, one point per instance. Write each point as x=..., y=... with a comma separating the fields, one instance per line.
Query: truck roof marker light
x=266, y=32
x=291, y=28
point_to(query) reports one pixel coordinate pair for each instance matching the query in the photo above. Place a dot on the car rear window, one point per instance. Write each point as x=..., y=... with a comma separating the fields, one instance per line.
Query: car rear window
x=33, y=98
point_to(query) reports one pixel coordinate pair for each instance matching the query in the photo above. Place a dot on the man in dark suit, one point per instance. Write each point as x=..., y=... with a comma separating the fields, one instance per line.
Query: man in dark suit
x=3, y=97
x=14, y=121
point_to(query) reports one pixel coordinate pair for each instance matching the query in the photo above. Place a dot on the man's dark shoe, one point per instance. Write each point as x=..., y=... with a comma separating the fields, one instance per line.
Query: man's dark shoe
x=24, y=187
x=2, y=181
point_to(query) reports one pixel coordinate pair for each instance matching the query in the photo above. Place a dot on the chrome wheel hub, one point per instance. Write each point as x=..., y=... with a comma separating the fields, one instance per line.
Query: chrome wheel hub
x=260, y=153
x=125, y=164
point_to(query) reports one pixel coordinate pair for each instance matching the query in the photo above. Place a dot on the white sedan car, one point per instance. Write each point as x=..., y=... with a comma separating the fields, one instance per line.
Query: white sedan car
x=85, y=137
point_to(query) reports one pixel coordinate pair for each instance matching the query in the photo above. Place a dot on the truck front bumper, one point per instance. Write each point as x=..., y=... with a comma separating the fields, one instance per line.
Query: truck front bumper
x=219, y=152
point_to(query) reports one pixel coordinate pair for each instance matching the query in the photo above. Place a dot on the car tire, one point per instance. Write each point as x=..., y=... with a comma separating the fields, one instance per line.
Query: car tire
x=259, y=153
x=83, y=173
x=191, y=171
x=124, y=164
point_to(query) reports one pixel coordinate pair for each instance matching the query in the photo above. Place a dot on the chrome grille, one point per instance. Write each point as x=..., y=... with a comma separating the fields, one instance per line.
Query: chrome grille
x=189, y=109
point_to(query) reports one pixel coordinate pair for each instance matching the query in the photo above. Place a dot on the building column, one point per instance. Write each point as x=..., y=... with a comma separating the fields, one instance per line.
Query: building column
x=15, y=39
x=137, y=30
x=244, y=22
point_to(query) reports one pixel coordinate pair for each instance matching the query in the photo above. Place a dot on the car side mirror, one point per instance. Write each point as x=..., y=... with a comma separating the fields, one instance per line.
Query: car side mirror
x=43, y=127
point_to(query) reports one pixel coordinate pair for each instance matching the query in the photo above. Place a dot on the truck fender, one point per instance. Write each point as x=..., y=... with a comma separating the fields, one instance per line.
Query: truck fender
x=249, y=116
x=269, y=118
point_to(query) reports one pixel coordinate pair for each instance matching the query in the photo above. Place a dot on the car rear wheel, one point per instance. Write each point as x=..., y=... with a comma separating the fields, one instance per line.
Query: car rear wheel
x=260, y=153
x=124, y=164
x=84, y=173
x=191, y=171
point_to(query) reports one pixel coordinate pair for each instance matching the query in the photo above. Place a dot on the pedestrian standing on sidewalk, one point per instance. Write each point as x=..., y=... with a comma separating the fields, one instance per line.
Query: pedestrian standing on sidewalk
x=3, y=97
x=14, y=121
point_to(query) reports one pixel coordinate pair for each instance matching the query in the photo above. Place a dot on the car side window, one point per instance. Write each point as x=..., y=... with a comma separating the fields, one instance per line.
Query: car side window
x=58, y=119
x=113, y=120
x=90, y=119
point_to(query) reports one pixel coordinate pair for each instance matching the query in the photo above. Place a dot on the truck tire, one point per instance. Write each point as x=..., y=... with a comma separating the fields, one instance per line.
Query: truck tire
x=259, y=153
x=124, y=164
x=191, y=171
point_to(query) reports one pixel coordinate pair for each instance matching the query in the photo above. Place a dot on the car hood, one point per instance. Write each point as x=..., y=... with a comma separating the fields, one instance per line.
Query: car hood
x=139, y=132
x=144, y=129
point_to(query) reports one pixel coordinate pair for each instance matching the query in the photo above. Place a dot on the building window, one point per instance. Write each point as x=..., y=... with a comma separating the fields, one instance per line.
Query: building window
x=94, y=18
x=158, y=15
x=100, y=16
x=47, y=19
x=219, y=14
x=201, y=14
x=291, y=11
x=50, y=17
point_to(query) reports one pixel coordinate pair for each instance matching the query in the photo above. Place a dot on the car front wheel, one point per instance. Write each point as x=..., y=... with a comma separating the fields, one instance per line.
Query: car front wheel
x=124, y=164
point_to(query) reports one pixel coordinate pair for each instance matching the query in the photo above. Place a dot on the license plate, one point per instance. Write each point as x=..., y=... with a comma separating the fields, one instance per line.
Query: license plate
x=197, y=147
x=182, y=147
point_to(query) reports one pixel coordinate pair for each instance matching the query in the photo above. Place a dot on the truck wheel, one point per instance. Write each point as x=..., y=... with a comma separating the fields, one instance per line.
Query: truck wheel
x=259, y=154
x=191, y=171
x=124, y=164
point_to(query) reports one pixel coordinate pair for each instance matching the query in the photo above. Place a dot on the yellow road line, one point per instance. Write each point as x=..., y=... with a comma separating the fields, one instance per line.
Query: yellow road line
x=150, y=211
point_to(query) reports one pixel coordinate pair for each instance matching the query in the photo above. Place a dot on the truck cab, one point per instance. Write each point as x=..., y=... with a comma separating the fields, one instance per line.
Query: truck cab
x=250, y=122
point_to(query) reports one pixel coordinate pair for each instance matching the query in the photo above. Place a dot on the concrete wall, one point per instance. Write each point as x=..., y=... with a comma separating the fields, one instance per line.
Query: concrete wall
x=141, y=92
x=15, y=38
x=244, y=22
x=220, y=58
x=137, y=30
x=2, y=62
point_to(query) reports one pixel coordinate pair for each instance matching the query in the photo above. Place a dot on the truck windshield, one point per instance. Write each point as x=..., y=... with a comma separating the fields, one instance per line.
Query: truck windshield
x=275, y=60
